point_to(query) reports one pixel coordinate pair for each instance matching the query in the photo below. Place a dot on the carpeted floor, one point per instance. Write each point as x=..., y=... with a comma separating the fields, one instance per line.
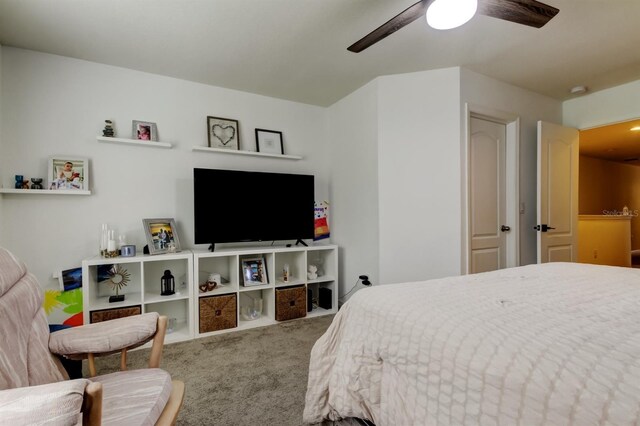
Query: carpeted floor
x=252, y=377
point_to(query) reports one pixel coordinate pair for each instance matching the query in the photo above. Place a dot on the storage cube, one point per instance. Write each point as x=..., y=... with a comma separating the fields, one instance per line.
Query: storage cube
x=291, y=302
x=218, y=313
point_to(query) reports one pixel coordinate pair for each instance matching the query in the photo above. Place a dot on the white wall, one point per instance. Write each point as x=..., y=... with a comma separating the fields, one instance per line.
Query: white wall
x=56, y=105
x=419, y=175
x=1, y=150
x=530, y=107
x=352, y=129
x=608, y=106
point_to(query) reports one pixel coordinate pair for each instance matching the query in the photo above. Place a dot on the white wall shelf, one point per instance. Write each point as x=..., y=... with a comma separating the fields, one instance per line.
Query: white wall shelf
x=44, y=191
x=250, y=153
x=148, y=144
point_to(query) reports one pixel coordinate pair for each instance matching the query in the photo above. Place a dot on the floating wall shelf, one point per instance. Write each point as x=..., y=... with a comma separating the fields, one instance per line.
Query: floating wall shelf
x=44, y=191
x=148, y=144
x=250, y=153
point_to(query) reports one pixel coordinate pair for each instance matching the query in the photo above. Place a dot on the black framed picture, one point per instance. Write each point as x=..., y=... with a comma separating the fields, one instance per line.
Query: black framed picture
x=269, y=141
x=223, y=133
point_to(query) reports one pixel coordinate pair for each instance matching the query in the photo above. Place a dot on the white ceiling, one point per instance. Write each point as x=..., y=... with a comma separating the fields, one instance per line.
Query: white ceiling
x=296, y=49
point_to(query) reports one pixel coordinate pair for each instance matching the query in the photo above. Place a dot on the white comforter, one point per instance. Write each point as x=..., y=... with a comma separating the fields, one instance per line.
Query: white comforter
x=553, y=344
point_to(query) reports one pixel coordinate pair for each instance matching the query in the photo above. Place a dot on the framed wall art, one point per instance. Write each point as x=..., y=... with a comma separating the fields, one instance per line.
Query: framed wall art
x=144, y=131
x=162, y=235
x=269, y=141
x=223, y=133
x=68, y=173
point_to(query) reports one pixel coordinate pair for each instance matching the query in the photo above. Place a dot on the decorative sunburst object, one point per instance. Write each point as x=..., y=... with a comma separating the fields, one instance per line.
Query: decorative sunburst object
x=118, y=278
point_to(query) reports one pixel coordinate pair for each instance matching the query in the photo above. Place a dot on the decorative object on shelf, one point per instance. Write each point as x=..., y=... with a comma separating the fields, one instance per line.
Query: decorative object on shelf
x=144, y=131
x=269, y=141
x=213, y=280
x=312, y=272
x=36, y=183
x=320, y=220
x=111, y=314
x=128, y=251
x=162, y=235
x=285, y=273
x=223, y=133
x=70, y=279
x=108, y=131
x=112, y=250
x=19, y=180
x=68, y=173
x=118, y=278
x=254, y=271
x=167, y=284
x=171, y=325
x=251, y=309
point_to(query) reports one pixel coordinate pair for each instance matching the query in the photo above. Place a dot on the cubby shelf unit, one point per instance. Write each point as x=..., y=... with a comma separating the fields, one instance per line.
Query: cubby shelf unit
x=249, y=153
x=124, y=141
x=227, y=263
x=143, y=288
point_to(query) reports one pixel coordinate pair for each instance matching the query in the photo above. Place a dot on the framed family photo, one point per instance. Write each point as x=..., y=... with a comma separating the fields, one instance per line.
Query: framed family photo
x=68, y=173
x=269, y=141
x=162, y=235
x=223, y=133
x=144, y=131
x=254, y=271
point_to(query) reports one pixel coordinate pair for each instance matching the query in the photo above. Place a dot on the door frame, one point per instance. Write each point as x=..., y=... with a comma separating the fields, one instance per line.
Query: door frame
x=512, y=147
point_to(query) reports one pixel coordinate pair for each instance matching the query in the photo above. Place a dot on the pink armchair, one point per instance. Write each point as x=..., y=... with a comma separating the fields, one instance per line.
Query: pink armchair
x=34, y=388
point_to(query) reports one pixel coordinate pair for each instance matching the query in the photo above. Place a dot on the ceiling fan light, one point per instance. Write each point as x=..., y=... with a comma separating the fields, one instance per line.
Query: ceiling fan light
x=447, y=14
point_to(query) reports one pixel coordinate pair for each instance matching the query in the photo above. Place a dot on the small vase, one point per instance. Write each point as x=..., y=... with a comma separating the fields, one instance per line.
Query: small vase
x=36, y=183
x=19, y=179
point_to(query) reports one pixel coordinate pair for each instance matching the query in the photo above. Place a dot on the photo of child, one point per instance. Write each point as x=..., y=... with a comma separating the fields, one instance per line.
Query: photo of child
x=67, y=173
x=144, y=132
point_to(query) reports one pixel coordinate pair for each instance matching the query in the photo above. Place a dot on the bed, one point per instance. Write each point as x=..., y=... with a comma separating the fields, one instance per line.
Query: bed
x=551, y=344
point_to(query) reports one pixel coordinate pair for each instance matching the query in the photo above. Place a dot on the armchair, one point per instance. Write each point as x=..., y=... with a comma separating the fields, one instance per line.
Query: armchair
x=34, y=388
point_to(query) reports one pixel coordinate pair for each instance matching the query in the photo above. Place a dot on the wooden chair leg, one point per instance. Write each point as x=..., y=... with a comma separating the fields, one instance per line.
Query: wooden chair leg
x=92, y=365
x=92, y=405
x=158, y=342
x=123, y=360
x=170, y=413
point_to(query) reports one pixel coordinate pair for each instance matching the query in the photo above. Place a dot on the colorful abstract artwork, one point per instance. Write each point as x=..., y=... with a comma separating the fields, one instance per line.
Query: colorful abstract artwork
x=63, y=308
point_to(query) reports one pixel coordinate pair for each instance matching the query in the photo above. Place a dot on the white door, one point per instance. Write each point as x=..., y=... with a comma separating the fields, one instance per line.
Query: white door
x=487, y=196
x=557, y=193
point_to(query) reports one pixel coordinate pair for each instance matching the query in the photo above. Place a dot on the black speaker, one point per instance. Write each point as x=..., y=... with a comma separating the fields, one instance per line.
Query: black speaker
x=324, y=300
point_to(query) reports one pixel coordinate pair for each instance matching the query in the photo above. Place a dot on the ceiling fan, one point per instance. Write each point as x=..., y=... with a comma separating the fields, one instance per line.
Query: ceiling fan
x=526, y=12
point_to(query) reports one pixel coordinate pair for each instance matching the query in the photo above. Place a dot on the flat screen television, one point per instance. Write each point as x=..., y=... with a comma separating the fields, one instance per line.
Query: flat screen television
x=235, y=206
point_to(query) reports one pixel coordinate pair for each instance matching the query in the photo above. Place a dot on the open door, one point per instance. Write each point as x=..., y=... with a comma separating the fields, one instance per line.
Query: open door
x=557, y=193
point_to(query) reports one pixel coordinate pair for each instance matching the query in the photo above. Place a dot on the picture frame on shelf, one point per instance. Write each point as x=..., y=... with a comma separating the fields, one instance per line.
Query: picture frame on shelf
x=68, y=173
x=269, y=141
x=70, y=279
x=223, y=133
x=254, y=271
x=162, y=235
x=144, y=131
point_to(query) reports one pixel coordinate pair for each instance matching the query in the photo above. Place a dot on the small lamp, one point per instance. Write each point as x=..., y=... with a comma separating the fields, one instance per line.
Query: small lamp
x=167, y=284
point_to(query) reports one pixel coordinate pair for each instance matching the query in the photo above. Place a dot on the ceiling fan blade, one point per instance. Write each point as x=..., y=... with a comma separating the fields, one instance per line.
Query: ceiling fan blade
x=404, y=18
x=525, y=12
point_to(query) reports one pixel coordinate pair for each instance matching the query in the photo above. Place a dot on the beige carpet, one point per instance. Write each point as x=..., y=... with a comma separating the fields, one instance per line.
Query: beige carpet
x=252, y=377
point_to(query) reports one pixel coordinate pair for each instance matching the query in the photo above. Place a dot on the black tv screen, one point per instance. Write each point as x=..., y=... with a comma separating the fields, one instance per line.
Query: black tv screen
x=234, y=206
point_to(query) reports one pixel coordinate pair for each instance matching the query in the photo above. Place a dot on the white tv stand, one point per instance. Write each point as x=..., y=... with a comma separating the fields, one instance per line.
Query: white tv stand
x=191, y=268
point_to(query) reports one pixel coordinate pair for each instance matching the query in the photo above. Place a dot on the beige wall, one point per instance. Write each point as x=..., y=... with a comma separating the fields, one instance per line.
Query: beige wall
x=607, y=185
x=604, y=240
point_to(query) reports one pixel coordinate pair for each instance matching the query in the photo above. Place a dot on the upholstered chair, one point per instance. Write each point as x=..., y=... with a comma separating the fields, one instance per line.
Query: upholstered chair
x=34, y=388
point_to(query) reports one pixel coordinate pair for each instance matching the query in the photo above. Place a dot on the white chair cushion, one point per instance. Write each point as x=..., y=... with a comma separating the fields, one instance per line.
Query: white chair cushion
x=104, y=337
x=135, y=397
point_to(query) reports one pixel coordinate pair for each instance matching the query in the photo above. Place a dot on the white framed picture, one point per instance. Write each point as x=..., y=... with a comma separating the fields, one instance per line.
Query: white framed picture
x=68, y=173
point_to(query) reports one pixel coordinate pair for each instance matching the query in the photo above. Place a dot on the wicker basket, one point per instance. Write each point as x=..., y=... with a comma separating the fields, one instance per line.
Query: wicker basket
x=111, y=314
x=291, y=302
x=218, y=313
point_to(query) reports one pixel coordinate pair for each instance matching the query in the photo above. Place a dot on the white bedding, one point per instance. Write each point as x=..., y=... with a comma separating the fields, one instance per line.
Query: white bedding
x=552, y=344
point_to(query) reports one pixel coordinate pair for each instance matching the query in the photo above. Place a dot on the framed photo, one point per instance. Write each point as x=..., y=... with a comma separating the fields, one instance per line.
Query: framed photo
x=254, y=271
x=269, y=141
x=70, y=279
x=223, y=133
x=162, y=235
x=68, y=173
x=144, y=131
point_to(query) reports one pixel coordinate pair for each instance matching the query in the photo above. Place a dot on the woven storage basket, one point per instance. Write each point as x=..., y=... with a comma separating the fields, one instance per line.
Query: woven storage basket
x=218, y=313
x=291, y=302
x=111, y=314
